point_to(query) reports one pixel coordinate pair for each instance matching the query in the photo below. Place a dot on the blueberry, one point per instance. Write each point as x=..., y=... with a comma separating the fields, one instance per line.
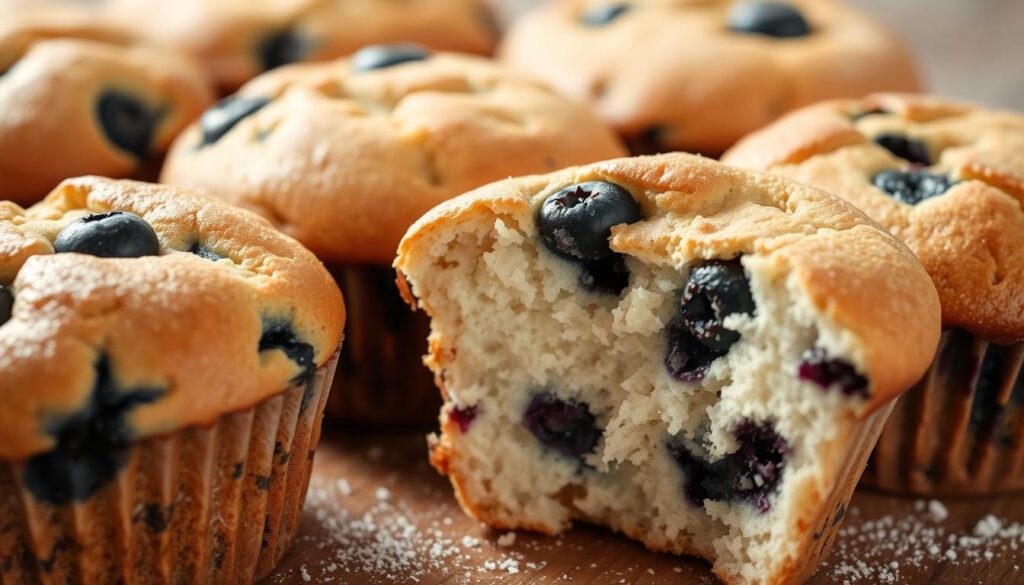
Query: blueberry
x=463, y=417
x=567, y=427
x=686, y=358
x=913, y=151
x=204, y=252
x=715, y=290
x=603, y=14
x=608, y=275
x=6, y=304
x=282, y=48
x=115, y=234
x=912, y=187
x=127, y=122
x=817, y=367
x=750, y=474
x=382, y=56
x=222, y=117
x=577, y=221
x=92, y=446
x=280, y=336
x=773, y=19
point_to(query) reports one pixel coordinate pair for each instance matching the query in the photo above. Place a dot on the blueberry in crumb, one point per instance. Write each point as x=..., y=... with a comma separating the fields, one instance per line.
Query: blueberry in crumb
x=128, y=122
x=910, y=150
x=750, y=474
x=608, y=275
x=6, y=304
x=686, y=358
x=92, y=445
x=280, y=336
x=383, y=56
x=577, y=221
x=565, y=426
x=226, y=114
x=602, y=15
x=282, y=48
x=816, y=366
x=463, y=417
x=912, y=187
x=204, y=252
x=115, y=234
x=774, y=19
x=714, y=290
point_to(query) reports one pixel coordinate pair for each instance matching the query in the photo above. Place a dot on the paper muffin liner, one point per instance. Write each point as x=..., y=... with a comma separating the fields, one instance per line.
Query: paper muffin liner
x=381, y=378
x=960, y=431
x=214, y=505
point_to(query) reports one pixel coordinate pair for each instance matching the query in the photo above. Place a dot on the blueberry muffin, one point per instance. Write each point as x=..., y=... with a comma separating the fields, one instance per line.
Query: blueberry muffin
x=948, y=179
x=80, y=97
x=166, y=361
x=675, y=349
x=696, y=75
x=345, y=156
x=238, y=39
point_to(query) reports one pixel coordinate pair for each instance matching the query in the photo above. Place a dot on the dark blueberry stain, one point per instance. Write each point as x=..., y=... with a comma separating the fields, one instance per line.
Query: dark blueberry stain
x=154, y=517
x=6, y=304
x=278, y=335
x=715, y=289
x=913, y=186
x=773, y=19
x=384, y=56
x=602, y=15
x=565, y=426
x=648, y=141
x=608, y=276
x=238, y=470
x=910, y=150
x=128, y=122
x=463, y=417
x=93, y=445
x=116, y=234
x=262, y=482
x=204, y=252
x=226, y=114
x=282, y=48
x=751, y=474
x=817, y=367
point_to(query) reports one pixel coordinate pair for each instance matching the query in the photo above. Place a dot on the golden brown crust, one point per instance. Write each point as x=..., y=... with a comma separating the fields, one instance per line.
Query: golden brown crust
x=970, y=239
x=311, y=160
x=226, y=35
x=176, y=322
x=695, y=208
x=56, y=66
x=702, y=87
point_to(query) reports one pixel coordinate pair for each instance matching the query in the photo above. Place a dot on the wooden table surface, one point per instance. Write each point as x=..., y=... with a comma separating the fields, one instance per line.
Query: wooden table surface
x=378, y=513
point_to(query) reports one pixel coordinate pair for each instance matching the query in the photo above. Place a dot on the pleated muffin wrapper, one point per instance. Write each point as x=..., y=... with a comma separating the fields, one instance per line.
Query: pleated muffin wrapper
x=209, y=505
x=960, y=431
x=381, y=379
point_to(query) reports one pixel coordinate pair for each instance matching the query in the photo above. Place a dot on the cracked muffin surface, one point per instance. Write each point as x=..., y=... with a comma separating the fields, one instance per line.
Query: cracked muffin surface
x=131, y=302
x=344, y=156
x=83, y=97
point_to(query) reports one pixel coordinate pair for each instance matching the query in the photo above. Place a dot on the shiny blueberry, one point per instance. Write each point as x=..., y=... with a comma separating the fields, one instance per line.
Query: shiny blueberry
x=603, y=14
x=6, y=304
x=221, y=118
x=282, y=48
x=116, y=234
x=913, y=151
x=912, y=187
x=92, y=445
x=463, y=417
x=278, y=335
x=715, y=290
x=686, y=358
x=382, y=56
x=751, y=474
x=773, y=19
x=128, y=122
x=565, y=426
x=816, y=366
x=577, y=222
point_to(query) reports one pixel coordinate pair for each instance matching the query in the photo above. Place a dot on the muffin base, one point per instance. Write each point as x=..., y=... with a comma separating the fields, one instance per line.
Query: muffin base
x=217, y=504
x=960, y=431
x=381, y=378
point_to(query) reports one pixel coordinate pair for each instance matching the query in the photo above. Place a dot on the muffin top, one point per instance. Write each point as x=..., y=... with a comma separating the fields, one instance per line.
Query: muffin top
x=697, y=75
x=150, y=306
x=238, y=39
x=945, y=177
x=694, y=209
x=344, y=156
x=80, y=97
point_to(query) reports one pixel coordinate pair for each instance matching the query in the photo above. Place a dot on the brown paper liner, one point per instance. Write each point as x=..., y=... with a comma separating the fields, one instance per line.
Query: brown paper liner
x=208, y=505
x=381, y=378
x=960, y=431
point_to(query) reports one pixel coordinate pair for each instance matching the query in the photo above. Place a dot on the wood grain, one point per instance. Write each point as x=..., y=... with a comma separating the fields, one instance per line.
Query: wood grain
x=328, y=551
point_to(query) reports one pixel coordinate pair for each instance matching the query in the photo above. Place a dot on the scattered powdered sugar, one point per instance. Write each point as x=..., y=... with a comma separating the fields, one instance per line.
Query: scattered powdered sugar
x=507, y=539
x=884, y=549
